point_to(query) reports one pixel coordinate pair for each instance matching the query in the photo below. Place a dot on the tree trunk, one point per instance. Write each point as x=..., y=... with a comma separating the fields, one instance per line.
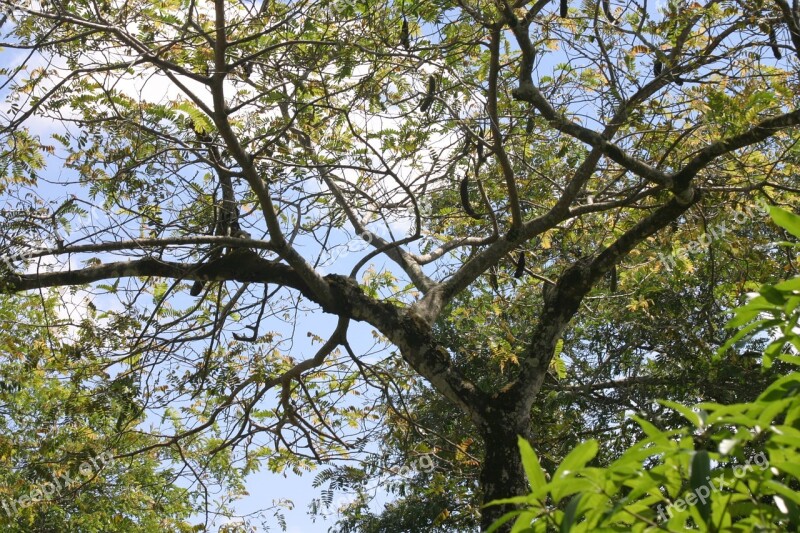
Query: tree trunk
x=502, y=475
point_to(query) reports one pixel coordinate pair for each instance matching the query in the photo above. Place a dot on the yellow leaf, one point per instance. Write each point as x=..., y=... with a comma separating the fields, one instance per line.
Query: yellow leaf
x=442, y=517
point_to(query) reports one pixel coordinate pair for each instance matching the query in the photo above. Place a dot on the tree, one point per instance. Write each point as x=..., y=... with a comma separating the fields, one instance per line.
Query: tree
x=667, y=480
x=613, y=362
x=58, y=470
x=235, y=151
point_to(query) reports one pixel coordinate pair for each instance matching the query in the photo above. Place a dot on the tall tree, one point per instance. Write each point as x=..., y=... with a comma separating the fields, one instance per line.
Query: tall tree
x=237, y=150
x=63, y=462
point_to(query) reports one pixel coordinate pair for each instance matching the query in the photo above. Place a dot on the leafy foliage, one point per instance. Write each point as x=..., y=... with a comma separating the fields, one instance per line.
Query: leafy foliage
x=350, y=232
x=734, y=468
x=64, y=461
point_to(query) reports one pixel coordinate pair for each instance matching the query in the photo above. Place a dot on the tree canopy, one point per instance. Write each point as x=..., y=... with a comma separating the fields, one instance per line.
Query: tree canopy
x=302, y=230
x=734, y=468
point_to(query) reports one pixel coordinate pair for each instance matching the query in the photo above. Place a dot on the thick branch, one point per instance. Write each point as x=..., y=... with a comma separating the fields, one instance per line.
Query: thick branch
x=243, y=266
x=139, y=244
x=494, y=120
x=220, y=116
x=630, y=382
x=760, y=132
x=562, y=302
x=411, y=335
x=529, y=93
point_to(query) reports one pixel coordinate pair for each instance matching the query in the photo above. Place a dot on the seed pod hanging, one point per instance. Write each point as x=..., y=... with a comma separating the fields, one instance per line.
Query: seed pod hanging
x=520, y=270
x=464, y=190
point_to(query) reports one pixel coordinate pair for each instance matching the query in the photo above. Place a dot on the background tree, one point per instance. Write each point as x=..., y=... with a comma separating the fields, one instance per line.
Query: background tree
x=60, y=431
x=507, y=165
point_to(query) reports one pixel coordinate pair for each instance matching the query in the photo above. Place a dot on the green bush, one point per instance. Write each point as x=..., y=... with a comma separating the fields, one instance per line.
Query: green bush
x=732, y=468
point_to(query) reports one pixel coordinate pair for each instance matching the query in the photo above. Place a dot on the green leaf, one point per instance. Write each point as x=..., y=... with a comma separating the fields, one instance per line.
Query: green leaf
x=744, y=332
x=792, y=469
x=788, y=221
x=793, y=512
x=557, y=364
x=523, y=523
x=783, y=490
x=772, y=410
x=577, y=458
x=687, y=412
x=201, y=121
x=773, y=295
x=782, y=388
x=502, y=520
x=559, y=348
x=698, y=481
x=571, y=484
x=569, y=513
x=789, y=285
x=530, y=462
x=655, y=434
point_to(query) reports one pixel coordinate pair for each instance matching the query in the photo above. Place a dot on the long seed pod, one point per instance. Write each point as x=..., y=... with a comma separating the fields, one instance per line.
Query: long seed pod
x=197, y=288
x=773, y=43
x=493, y=279
x=658, y=66
x=613, y=281
x=481, y=154
x=248, y=70
x=405, y=38
x=428, y=101
x=520, y=270
x=464, y=189
x=607, y=11
x=467, y=147
x=530, y=125
x=564, y=8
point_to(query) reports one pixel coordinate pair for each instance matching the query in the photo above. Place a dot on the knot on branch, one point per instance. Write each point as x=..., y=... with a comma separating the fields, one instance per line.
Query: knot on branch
x=241, y=263
x=524, y=92
x=685, y=196
x=346, y=291
x=571, y=286
x=513, y=234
